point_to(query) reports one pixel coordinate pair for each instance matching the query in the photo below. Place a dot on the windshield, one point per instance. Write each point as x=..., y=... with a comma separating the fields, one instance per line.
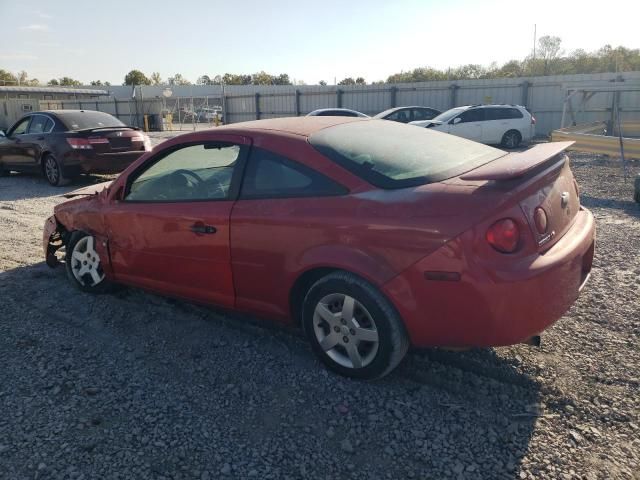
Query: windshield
x=395, y=155
x=449, y=114
x=83, y=120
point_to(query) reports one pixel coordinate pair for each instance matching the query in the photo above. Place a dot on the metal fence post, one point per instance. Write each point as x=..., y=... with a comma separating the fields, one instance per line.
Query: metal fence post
x=257, y=106
x=297, y=99
x=394, y=91
x=339, y=98
x=525, y=93
x=453, y=100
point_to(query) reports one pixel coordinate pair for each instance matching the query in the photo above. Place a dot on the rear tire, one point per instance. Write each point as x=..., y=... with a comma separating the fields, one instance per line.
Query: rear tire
x=511, y=139
x=83, y=264
x=53, y=171
x=352, y=327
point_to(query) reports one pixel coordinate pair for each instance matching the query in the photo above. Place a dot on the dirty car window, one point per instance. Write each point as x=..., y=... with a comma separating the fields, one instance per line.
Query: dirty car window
x=394, y=155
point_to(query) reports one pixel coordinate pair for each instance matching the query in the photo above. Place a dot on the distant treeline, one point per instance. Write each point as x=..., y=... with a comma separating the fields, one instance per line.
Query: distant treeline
x=549, y=59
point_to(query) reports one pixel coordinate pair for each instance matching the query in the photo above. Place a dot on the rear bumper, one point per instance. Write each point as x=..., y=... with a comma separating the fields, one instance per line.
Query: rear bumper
x=100, y=162
x=486, y=307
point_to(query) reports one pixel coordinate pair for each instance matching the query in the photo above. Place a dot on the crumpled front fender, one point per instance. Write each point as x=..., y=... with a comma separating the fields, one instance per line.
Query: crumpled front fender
x=51, y=241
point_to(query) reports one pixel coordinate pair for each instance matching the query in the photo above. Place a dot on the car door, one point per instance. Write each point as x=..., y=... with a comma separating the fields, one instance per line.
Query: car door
x=468, y=124
x=169, y=230
x=495, y=125
x=284, y=210
x=36, y=138
x=14, y=148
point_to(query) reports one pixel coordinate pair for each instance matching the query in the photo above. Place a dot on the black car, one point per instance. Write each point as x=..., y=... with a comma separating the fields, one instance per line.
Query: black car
x=408, y=114
x=336, y=112
x=62, y=144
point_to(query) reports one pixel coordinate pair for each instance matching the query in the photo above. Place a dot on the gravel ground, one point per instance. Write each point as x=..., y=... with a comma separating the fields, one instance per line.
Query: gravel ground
x=133, y=385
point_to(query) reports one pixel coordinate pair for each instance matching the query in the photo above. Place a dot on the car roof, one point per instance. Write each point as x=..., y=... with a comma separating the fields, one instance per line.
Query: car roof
x=304, y=126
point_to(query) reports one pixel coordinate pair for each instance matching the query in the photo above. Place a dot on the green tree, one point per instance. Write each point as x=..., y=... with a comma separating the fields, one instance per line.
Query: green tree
x=233, y=79
x=53, y=82
x=323, y=83
x=347, y=81
x=178, y=79
x=69, y=82
x=136, y=77
x=7, y=78
x=156, y=79
x=361, y=81
x=282, y=79
x=261, y=78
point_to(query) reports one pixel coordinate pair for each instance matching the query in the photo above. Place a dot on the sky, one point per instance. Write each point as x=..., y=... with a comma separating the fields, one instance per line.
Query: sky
x=309, y=40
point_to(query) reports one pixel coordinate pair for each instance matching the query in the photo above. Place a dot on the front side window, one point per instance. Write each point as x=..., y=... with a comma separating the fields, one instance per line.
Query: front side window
x=269, y=175
x=423, y=114
x=20, y=128
x=191, y=173
x=401, y=116
x=472, y=115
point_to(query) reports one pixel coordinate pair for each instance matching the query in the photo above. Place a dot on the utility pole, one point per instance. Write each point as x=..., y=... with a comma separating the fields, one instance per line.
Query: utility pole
x=534, y=41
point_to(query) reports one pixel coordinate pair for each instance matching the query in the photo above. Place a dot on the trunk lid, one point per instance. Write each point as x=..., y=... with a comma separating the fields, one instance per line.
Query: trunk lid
x=540, y=177
x=114, y=139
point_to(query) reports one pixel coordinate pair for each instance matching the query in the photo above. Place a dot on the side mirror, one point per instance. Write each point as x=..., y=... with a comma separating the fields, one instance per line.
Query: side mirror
x=2, y=134
x=456, y=120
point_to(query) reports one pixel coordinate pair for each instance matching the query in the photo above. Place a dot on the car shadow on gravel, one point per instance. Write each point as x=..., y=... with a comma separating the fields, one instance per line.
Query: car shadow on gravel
x=21, y=186
x=629, y=207
x=441, y=414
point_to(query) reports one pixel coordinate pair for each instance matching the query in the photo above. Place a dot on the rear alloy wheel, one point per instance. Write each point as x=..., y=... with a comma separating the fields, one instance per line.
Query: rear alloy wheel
x=53, y=172
x=83, y=265
x=511, y=139
x=353, y=328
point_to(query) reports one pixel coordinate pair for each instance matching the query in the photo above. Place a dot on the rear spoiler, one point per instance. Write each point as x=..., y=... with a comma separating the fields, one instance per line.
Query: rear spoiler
x=514, y=165
x=117, y=127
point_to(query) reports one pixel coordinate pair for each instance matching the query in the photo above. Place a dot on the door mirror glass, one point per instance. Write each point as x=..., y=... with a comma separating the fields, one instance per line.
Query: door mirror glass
x=2, y=133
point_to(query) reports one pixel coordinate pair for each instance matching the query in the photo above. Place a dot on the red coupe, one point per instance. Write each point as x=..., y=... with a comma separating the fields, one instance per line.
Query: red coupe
x=372, y=235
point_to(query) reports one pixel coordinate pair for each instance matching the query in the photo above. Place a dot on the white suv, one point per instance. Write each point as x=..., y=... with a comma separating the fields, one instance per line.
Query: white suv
x=507, y=125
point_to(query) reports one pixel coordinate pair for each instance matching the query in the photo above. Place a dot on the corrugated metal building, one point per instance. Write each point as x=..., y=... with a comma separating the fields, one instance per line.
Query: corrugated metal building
x=16, y=101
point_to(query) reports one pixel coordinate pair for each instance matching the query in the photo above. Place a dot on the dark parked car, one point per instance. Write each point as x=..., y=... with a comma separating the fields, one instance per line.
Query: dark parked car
x=408, y=114
x=336, y=112
x=65, y=143
x=372, y=235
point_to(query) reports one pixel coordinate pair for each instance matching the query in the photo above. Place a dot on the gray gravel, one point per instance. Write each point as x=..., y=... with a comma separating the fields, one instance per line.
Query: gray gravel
x=133, y=385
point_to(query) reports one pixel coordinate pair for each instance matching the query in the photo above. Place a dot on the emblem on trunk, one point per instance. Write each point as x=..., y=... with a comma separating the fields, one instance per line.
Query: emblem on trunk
x=564, y=199
x=119, y=134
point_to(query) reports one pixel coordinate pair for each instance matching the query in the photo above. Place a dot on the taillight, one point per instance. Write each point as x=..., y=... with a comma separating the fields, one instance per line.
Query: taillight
x=98, y=140
x=144, y=139
x=79, y=143
x=540, y=219
x=504, y=235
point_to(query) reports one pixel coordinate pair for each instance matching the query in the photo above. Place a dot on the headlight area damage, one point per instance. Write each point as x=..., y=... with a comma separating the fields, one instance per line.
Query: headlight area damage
x=53, y=239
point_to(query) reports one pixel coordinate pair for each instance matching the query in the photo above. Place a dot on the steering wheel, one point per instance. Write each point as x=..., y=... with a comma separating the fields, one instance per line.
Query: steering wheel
x=188, y=173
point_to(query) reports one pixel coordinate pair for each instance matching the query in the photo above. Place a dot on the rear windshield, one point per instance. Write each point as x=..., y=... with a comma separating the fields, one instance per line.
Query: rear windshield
x=89, y=119
x=394, y=155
